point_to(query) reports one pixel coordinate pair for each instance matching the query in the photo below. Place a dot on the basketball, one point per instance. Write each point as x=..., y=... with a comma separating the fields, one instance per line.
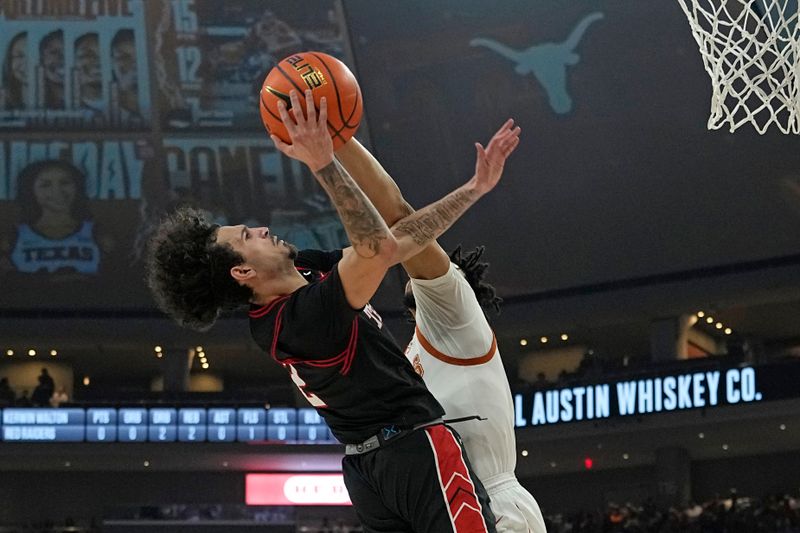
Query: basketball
x=325, y=76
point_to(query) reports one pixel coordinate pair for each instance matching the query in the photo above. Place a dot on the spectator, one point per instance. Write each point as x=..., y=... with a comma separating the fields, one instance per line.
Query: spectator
x=541, y=381
x=325, y=527
x=41, y=394
x=24, y=400
x=7, y=396
x=47, y=380
x=733, y=514
x=59, y=396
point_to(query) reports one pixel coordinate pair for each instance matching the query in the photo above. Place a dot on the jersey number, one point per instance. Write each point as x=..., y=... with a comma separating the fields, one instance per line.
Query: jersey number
x=312, y=398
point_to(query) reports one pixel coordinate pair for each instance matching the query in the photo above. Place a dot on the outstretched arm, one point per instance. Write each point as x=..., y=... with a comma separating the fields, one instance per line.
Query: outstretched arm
x=418, y=230
x=368, y=233
x=375, y=247
x=432, y=261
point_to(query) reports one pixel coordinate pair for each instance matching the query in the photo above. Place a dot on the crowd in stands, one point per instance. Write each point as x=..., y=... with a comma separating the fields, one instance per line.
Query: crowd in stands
x=68, y=525
x=597, y=365
x=44, y=395
x=775, y=514
x=732, y=514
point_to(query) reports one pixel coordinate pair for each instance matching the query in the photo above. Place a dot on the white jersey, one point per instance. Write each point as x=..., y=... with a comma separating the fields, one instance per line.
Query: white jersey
x=36, y=253
x=455, y=351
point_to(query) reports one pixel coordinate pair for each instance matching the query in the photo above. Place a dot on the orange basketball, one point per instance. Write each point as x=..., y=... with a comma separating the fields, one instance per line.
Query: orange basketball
x=325, y=76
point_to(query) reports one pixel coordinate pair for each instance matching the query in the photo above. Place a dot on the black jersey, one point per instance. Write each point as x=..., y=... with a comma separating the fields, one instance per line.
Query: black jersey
x=341, y=359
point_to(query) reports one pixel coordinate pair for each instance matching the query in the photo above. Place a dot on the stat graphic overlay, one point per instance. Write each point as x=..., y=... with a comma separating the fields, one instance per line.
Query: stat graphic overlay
x=646, y=394
x=165, y=424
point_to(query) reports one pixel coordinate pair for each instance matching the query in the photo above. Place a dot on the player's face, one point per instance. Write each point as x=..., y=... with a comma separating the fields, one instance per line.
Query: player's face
x=259, y=248
x=55, y=190
x=19, y=61
x=123, y=61
x=87, y=60
x=53, y=59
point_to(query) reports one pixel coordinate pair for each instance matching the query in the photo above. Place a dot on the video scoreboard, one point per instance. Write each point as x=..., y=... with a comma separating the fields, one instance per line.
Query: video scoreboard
x=165, y=424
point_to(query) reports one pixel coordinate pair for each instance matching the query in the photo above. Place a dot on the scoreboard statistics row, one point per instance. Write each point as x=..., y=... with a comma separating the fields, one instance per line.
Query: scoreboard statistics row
x=165, y=424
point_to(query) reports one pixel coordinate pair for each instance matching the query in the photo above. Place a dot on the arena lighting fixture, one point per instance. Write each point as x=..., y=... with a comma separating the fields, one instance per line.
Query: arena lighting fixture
x=725, y=447
x=157, y=349
x=53, y=353
x=524, y=453
x=553, y=464
x=199, y=349
x=718, y=325
x=159, y=355
x=523, y=342
x=67, y=464
x=31, y=352
x=86, y=380
x=543, y=340
x=205, y=366
x=146, y=464
x=626, y=456
x=564, y=337
x=9, y=352
x=700, y=314
x=782, y=427
x=728, y=331
x=701, y=435
x=710, y=320
x=588, y=463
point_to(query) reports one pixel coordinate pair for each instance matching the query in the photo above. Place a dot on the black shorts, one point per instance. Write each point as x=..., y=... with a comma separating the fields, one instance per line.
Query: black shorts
x=420, y=483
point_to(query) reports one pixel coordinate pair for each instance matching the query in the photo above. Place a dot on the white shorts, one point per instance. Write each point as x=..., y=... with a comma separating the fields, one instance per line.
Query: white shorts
x=515, y=510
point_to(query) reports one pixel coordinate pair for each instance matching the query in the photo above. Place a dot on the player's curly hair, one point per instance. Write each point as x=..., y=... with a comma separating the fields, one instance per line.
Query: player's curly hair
x=474, y=271
x=189, y=273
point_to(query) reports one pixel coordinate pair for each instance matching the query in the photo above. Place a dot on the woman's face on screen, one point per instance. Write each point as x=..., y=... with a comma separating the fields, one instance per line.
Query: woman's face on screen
x=55, y=190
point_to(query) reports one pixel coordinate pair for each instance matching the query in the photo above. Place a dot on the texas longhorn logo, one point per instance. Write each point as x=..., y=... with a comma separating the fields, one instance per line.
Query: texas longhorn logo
x=547, y=62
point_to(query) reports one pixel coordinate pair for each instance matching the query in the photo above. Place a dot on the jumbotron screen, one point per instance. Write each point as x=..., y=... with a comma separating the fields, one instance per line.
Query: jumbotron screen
x=114, y=113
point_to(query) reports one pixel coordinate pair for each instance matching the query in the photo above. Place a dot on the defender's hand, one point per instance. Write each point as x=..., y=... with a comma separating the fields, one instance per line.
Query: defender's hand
x=492, y=159
x=311, y=142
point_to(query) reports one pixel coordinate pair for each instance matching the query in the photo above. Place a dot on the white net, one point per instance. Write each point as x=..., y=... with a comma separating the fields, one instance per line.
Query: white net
x=750, y=49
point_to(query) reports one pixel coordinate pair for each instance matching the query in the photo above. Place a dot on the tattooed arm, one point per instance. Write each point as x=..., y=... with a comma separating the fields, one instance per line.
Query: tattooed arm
x=432, y=261
x=374, y=246
x=369, y=235
x=311, y=144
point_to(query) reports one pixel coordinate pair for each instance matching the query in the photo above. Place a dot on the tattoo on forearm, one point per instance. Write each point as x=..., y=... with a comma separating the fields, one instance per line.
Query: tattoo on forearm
x=361, y=220
x=427, y=224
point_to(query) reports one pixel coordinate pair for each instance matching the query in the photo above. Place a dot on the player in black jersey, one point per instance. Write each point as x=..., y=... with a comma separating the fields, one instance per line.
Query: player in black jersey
x=404, y=469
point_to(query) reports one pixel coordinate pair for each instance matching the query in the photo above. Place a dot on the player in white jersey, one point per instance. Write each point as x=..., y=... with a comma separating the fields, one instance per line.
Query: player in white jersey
x=455, y=351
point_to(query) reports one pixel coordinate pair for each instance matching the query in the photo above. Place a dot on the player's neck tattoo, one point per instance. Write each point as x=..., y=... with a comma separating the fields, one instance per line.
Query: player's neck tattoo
x=363, y=224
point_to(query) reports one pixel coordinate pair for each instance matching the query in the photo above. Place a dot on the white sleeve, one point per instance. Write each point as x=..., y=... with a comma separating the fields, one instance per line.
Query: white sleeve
x=449, y=316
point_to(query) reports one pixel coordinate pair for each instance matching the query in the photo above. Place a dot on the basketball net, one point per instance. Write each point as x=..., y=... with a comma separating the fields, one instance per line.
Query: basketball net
x=750, y=49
